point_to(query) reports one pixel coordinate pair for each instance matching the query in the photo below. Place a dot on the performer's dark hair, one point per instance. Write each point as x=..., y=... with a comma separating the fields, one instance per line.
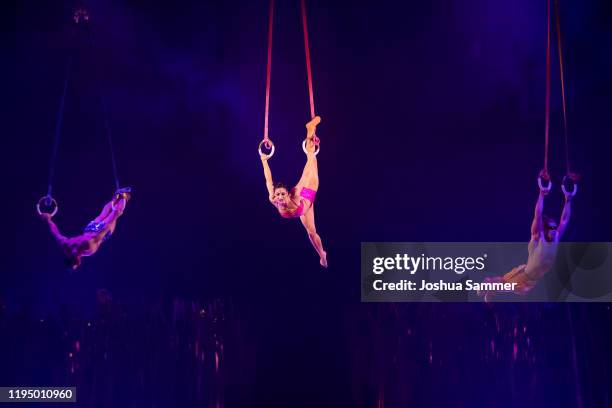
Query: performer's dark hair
x=278, y=185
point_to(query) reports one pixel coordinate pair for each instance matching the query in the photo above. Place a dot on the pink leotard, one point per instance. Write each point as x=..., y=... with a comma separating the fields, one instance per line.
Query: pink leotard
x=307, y=194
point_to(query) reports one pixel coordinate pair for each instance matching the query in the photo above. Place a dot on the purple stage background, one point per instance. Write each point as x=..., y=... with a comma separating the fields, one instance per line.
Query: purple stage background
x=433, y=121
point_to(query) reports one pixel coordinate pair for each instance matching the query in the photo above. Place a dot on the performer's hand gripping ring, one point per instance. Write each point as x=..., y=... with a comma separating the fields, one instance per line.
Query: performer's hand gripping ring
x=47, y=205
x=541, y=179
x=567, y=178
x=268, y=145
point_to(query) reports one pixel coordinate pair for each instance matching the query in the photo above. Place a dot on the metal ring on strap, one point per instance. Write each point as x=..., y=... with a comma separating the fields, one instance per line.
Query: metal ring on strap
x=269, y=145
x=574, y=190
x=49, y=202
x=544, y=188
x=317, y=148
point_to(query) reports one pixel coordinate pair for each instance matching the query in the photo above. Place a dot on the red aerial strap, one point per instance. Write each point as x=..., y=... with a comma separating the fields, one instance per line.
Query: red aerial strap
x=308, y=68
x=269, y=69
x=268, y=73
x=547, y=104
x=562, y=75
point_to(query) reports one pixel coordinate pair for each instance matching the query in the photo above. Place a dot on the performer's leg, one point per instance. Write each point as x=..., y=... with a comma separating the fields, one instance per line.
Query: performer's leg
x=105, y=212
x=111, y=218
x=310, y=174
x=309, y=223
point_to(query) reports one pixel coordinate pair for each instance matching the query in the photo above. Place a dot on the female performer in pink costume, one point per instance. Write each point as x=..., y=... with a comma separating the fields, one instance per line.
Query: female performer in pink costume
x=94, y=234
x=299, y=202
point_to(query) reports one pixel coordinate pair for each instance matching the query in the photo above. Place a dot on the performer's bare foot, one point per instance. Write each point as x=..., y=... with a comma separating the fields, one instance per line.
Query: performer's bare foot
x=323, y=260
x=311, y=127
x=120, y=201
x=489, y=294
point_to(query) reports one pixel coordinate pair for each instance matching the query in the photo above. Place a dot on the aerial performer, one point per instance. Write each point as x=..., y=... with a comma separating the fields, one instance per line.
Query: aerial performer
x=297, y=202
x=99, y=230
x=545, y=232
x=103, y=226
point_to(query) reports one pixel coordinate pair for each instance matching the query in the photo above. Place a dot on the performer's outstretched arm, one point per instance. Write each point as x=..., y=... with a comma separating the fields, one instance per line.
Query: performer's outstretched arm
x=54, y=229
x=268, y=176
x=116, y=206
x=536, y=225
x=565, y=216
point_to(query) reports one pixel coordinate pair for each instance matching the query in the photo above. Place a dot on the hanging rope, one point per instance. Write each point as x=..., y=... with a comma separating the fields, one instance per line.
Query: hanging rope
x=58, y=131
x=103, y=106
x=544, y=181
x=562, y=77
x=547, y=102
x=110, y=142
x=48, y=204
x=266, y=139
x=570, y=179
x=308, y=67
x=269, y=71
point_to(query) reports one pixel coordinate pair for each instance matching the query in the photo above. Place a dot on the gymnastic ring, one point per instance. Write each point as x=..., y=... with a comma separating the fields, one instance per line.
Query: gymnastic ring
x=544, y=189
x=317, y=148
x=574, y=190
x=49, y=202
x=266, y=142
